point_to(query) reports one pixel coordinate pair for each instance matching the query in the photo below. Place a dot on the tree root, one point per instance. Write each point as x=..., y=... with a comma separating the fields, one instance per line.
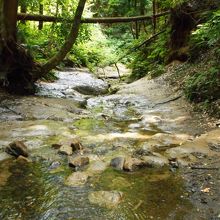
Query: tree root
x=167, y=101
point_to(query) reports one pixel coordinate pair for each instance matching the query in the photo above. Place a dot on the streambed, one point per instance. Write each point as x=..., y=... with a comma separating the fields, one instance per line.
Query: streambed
x=130, y=124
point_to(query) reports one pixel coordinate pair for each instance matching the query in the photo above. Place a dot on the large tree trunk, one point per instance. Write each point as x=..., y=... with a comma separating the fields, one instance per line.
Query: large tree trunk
x=182, y=23
x=15, y=64
x=55, y=60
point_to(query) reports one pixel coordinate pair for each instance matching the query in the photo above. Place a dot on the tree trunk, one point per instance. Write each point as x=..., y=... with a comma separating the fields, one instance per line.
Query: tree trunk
x=183, y=20
x=154, y=18
x=55, y=60
x=41, y=12
x=16, y=65
x=182, y=23
x=104, y=20
x=18, y=71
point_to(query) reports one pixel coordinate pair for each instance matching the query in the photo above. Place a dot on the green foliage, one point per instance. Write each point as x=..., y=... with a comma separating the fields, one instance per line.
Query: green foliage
x=150, y=59
x=203, y=86
x=98, y=51
x=207, y=36
x=171, y=3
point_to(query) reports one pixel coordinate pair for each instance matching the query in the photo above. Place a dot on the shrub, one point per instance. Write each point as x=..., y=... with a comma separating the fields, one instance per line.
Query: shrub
x=203, y=86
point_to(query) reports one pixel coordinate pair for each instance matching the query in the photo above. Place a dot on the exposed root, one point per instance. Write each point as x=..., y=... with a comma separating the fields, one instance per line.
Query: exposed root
x=17, y=69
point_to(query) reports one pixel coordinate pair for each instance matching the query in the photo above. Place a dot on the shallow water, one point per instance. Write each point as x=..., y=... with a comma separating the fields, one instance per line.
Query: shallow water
x=32, y=192
x=110, y=126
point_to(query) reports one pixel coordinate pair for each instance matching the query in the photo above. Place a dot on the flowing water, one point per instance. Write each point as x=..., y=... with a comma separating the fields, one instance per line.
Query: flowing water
x=110, y=126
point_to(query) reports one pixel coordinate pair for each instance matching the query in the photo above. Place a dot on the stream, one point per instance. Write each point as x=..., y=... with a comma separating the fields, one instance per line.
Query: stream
x=136, y=122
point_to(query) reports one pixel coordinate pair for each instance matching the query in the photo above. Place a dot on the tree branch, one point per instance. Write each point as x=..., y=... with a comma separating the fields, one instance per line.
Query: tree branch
x=109, y=20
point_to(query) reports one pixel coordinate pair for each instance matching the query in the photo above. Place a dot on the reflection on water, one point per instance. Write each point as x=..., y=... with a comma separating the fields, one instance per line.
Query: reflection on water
x=32, y=192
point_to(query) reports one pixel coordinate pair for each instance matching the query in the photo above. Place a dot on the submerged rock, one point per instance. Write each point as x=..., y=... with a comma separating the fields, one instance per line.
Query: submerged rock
x=77, y=179
x=66, y=150
x=97, y=167
x=17, y=148
x=107, y=199
x=120, y=183
x=78, y=161
x=118, y=163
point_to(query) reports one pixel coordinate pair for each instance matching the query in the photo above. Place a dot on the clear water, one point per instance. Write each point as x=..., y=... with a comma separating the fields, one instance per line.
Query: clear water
x=32, y=192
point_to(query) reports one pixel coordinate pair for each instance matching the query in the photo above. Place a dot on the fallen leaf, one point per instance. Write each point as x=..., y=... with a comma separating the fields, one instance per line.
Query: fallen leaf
x=206, y=190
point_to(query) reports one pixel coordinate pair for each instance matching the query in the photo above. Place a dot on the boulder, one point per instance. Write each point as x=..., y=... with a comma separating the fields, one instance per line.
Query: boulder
x=132, y=164
x=89, y=89
x=118, y=163
x=78, y=161
x=66, y=150
x=155, y=161
x=107, y=199
x=76, y=179
x=17, y=148
x=76, y=146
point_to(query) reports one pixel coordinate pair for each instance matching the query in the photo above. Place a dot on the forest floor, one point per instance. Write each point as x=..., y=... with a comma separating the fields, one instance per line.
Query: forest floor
x=143, y=121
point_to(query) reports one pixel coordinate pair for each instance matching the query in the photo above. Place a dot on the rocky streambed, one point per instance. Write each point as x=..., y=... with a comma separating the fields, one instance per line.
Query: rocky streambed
x=136, y=154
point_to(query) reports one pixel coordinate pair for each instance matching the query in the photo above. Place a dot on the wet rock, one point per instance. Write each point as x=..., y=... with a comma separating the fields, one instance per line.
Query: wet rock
x=17, y=148
x=66, y=150
x=22, y=159
x=107, y=199
x=144, y=150
x=77, y=179
x=76, y=145
x=92, y=89
x=78, y=161
x=132, y=164
x=118, y=163
x=155, y=161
